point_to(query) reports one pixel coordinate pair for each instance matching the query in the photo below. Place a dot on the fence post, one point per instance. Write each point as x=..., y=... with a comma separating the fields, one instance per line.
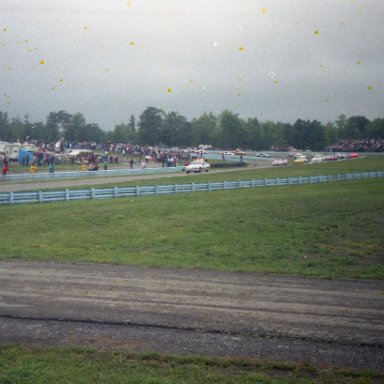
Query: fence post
x=18, y=197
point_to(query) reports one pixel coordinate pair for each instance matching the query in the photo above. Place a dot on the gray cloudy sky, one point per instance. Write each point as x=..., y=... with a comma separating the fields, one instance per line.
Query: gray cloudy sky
x=272, y=59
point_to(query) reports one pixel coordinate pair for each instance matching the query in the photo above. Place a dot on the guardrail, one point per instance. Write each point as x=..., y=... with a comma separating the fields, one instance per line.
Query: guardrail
x=136, y=191
x=84, y=174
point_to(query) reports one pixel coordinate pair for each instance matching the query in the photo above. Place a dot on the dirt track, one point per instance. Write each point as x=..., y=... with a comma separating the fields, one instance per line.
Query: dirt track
x=193, y=312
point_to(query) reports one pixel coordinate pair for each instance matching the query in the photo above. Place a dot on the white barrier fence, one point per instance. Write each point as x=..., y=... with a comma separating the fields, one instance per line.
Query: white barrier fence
x=91, y=174
x=136, y=191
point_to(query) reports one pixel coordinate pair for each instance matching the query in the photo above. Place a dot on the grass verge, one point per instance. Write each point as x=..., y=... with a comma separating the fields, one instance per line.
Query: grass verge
x=324, y=230
x=63, y=365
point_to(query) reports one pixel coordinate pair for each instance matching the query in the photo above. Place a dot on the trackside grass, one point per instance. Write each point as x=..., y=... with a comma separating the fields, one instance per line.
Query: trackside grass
x=253, y=171
x=369, y=163
x=322, y=230
x=62, y=365
x=327, y=230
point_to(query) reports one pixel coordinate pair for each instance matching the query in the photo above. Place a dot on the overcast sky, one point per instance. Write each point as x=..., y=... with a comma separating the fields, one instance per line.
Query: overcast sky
x=276, y=60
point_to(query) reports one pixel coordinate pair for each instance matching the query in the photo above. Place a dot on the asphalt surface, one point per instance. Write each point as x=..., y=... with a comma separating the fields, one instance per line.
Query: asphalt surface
x=327, y=322
x=36, y=185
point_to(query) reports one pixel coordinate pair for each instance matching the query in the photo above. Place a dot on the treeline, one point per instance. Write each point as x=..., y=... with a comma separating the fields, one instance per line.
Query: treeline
x=226, y=130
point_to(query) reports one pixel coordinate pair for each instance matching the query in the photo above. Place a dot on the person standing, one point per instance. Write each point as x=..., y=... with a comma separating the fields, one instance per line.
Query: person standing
x=5, y=165
x=51, y=165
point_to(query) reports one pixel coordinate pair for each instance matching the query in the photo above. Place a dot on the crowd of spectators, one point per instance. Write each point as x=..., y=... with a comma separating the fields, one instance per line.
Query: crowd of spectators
x=109, y=153
x=168, y=157
x=358, y=145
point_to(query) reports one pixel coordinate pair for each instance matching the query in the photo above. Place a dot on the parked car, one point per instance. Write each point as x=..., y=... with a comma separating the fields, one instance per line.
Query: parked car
x=197, y=166
x=279, y=162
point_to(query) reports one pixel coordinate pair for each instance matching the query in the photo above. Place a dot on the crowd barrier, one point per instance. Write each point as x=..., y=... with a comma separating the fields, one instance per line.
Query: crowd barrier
x=136, y=191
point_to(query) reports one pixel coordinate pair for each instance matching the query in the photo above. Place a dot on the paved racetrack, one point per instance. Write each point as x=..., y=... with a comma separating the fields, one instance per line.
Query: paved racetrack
x=335, y=322
x=35, y=184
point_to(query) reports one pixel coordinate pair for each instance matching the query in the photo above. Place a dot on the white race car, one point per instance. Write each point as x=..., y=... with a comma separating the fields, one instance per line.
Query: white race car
x=278, y=162
x=197, y=166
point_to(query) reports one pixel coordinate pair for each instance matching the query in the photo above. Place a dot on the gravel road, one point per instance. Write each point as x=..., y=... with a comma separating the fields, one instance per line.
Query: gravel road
x=331, y=322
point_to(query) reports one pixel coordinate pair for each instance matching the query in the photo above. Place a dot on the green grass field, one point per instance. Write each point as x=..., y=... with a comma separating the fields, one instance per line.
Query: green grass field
x=324, y=230
x=34, y=365
x=327, y=230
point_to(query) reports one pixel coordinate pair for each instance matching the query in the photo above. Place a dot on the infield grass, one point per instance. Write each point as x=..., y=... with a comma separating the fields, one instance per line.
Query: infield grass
x=324, y=230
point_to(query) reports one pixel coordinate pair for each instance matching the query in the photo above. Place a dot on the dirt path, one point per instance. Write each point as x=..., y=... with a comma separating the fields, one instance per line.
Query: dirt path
x=193, y=311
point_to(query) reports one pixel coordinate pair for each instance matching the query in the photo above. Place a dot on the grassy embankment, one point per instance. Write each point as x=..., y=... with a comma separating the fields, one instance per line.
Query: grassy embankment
x=327, y=230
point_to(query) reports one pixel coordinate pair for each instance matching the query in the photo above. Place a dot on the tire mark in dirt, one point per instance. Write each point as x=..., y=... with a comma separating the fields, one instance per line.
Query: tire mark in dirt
x=238, y=303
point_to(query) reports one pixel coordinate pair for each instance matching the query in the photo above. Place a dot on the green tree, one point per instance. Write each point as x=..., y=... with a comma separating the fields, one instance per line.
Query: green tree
x=271, y=134
x=204, y=129
x=375, y=129
x=37, y=131
x=341, y=126
x=316, y=140
x=132, y=134
x=150, y=126
x=287, y=134
x=94, y=133
x=331, y=133
x=308, y=135
x=121, y=133
x=74, y=128
x=231, y=129
x=252, y=135
x=356, y=127
x=4, y=126
x=175, y=130
x=56, y=125
x=16, y=130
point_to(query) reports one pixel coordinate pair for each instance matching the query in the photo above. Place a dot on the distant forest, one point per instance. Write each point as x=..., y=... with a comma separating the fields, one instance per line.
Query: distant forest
x=225, y=130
